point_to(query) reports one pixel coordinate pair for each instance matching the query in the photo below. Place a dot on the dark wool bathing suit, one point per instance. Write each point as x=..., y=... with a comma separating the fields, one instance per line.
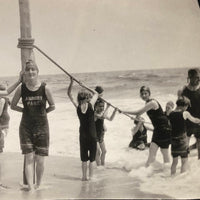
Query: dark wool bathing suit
x=34, y=127
x=87, y=137
x=162, y=129
x=179, y=145
x=194, y=110
x=4, y=122
x=99, y=123
x=139, y=138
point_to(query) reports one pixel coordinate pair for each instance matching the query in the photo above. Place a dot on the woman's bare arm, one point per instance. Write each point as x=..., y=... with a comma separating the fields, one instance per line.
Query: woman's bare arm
x=69, y=92
x=147, y=107
x=2, y=103
x=11, y=88
x=50, y=100
x=15, y=100
x=187, y=115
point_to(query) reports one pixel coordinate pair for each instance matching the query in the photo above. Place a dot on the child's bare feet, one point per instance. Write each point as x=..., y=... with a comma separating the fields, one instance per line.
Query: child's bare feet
x=37, y=187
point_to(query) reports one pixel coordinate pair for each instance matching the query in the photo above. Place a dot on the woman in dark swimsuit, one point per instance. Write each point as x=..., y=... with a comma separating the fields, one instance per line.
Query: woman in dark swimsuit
x=161, y=133
x=87, y=130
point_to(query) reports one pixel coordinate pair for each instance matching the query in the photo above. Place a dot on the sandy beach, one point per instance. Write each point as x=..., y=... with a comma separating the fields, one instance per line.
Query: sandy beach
x=62, y=181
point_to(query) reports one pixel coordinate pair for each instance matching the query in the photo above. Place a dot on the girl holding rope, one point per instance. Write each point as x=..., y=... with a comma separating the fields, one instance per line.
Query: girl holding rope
x=34, y=128
x=161, y=132
x=87, y=130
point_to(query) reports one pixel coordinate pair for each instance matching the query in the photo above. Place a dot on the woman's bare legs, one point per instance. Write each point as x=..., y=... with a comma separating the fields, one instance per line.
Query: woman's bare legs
x=29, y=167
x=184, y=164
x=91, y=170
x=103, y=152
x=174, y=164
x=39, y=169
x=98, y=155
x=84, y=171
x=152, y=153
x=165, y=153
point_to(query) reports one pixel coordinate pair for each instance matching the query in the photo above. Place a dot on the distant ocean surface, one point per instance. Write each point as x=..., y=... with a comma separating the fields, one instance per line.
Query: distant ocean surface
x=122, y=90
x=122, y=84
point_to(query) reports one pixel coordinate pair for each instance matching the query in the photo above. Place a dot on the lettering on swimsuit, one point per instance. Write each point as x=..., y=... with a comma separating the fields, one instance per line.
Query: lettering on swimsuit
x=33, y=101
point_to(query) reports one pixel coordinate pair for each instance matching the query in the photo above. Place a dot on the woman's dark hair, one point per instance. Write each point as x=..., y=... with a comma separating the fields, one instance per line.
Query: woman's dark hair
x=99, y=89
x=193, y=72
x=31, y=62
x=145, y=88
x=82, y=95
x=183, y=101
x=2, y=87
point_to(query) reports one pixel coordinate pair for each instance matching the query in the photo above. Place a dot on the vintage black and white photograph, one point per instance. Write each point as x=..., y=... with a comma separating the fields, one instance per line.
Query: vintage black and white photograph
x=99, y=99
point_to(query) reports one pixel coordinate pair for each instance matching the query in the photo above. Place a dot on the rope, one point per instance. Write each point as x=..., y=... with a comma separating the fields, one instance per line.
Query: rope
x=26, y=42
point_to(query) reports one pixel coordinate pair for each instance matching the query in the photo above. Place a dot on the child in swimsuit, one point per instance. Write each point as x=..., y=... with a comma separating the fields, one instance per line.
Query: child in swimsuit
x=87, y=129
x=4, y=116
x=100, y=115
x=139, y=132
x=179, y=144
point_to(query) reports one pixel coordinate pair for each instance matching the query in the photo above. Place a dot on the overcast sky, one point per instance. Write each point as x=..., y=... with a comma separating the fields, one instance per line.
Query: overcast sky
x=104, y=35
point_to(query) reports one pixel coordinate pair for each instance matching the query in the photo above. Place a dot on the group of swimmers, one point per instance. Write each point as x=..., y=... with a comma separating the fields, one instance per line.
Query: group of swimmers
x=140, y=129
x=173, y=127
x=170, y=127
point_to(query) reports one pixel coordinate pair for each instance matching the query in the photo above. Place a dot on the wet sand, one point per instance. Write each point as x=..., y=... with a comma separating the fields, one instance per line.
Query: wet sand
x=62, y=180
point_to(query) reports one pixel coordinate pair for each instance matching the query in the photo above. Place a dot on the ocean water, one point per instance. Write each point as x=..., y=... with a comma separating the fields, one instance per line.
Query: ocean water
x=122, y=90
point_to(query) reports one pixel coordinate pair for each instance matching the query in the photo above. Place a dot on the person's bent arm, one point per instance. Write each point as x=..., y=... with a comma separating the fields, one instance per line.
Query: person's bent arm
x=2, y=103
x=149, y=128
x=136, y=128
x=12, y=87
x=187, y=115
x=69, y=92
x=15, y=101
x=105, y=112
x=94, y=98
x=50, y=100
x=147, y=107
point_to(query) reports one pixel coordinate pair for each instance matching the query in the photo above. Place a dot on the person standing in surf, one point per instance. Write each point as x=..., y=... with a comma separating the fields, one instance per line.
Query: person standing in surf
x=161, y=132
x=179, y=144
x=192, y=92
x=100, y=115
x=5, y=118
x=87, y=129
x=34, y=127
